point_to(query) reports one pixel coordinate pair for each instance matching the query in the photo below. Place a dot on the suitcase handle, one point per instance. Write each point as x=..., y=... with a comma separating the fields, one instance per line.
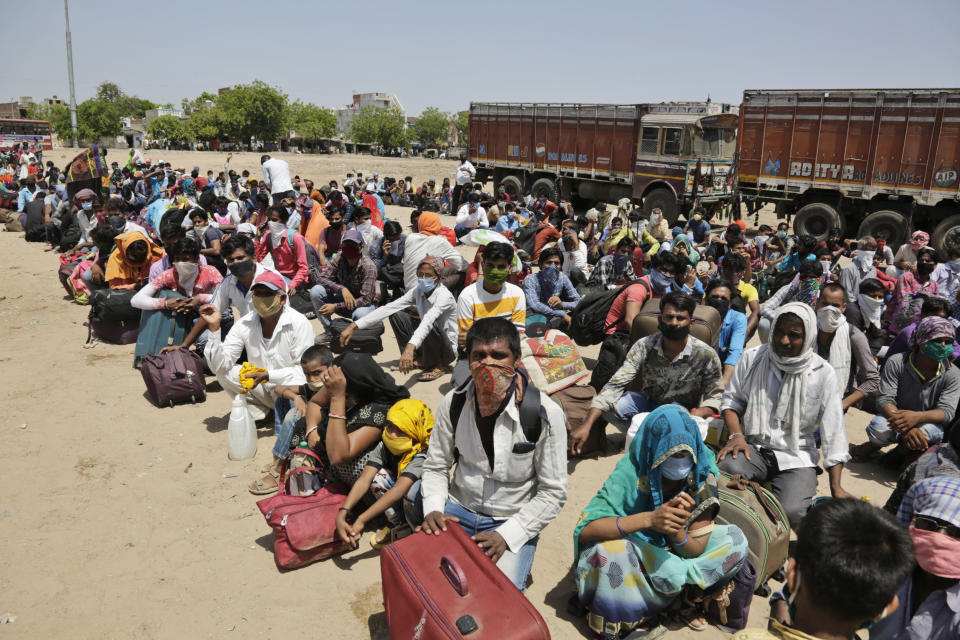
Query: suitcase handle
x=740, y=483
x=454, y=575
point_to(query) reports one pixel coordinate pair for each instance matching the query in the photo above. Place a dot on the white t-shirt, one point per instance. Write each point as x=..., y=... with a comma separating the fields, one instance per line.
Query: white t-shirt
x=575, y=259
x=276, y=174
x=905, y=254
x=467, y=219
x=465, y=173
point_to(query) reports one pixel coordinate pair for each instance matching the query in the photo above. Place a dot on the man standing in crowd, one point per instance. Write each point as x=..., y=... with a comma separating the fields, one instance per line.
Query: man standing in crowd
x=465, y=175
x=510, y=478
x=276, y=175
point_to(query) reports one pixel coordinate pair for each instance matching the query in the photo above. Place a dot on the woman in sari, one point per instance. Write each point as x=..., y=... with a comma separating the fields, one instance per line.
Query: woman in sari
x=648, y=538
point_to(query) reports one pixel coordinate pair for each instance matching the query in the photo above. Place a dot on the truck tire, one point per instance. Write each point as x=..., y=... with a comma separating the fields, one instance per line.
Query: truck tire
x=546, y=187
x=513, y=185
x=817, y=219
x=891, y=225
x=665, y=201
x=946, y=233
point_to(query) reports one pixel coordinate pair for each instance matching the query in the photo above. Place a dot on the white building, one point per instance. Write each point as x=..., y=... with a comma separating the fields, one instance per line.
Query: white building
x=361, y=100
x=150, y=114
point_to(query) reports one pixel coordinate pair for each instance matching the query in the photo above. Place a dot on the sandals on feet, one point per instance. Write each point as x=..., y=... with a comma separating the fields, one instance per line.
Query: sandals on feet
x=266, y=485
x=428, y=376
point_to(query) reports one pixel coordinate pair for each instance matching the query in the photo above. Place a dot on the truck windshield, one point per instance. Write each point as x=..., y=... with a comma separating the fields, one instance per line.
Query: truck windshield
x=714, y=142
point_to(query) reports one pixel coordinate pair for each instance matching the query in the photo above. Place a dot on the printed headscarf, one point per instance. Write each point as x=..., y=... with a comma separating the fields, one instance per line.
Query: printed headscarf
x=415, y=420
x=808, y=291
x=435, y=262
x=429, y=223
x=931, y=328
x=919, y=240
x=189, y=186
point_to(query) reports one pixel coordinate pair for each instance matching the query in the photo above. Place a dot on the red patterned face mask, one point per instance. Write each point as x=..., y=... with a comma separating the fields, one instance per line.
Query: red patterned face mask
x=493, y=382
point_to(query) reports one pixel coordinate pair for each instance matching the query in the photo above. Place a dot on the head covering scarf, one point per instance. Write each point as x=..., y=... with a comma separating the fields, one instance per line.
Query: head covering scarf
x=84, y=193
x=435, y=262
x=189, y=186
x=637, y=260
x=919, y=240
x=931, y=328
x=692, y=255
x=415, y=420
x=636, y=482
x=367, y=381
x=788, y=404
x=429, y=223
x=120, y=268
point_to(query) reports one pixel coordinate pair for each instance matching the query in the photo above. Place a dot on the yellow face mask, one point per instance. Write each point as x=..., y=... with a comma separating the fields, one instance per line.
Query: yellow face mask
x=397, y=445
x=265, y=306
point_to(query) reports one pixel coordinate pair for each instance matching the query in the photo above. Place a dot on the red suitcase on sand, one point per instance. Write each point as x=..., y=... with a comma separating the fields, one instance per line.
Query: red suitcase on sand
x=445, y=588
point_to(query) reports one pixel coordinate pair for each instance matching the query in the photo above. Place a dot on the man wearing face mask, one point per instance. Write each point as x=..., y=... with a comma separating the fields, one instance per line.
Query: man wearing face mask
x=929, y=596
x=26, y=194
x=866, y=312
x=471, y=216
x=667, y=367
x=372, y=236
x=845, y=347
x=733, y=333
x=509, y=477
x=431, y=334
x=780, y=394
x=947, y=274
x=347, y=284
x=919, y=393
x=860, y=268
x=549, y=292
x=287, y=248
x=274, y=336
x=850, y=559
x=235, y=291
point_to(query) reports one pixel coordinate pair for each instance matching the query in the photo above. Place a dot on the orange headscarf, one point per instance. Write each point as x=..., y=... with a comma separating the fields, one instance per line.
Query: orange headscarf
x=120, y=272
x=429, y=223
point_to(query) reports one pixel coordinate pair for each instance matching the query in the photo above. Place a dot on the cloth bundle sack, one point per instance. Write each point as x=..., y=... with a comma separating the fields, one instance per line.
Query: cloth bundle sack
x=553, y=362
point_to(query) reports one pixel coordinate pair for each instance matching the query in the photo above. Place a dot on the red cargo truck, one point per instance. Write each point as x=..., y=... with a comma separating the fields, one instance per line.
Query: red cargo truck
x=667, y=155
x=880, y=162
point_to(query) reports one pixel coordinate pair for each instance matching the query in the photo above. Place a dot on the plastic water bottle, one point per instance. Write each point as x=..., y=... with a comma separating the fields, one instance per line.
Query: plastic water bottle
x=241, y=431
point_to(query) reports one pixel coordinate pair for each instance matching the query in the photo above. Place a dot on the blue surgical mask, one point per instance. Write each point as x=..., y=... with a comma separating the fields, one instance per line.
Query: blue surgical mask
x=86, y=206
x=426, y=285
x=677, y=468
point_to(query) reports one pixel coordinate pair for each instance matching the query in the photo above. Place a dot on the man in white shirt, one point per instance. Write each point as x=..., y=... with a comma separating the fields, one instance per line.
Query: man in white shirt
x=466, y=172
x=427, y=242
x=860, y=268
x=276, y=175
x=471, y=216
x=510, y=478
x=574, y=258
x=779, y=395
x=274, y=336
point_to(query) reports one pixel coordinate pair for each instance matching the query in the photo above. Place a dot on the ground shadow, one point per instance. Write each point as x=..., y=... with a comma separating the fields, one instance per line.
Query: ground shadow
x=377, y=624
x=266, y=541
x=214, y=387
x=873, y=471
x=562, y=599
x=345, y=563
x=216, y=424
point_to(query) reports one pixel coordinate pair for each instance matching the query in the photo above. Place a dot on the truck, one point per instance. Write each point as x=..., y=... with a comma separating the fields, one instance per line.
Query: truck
x=877, y=162
x=669, y=155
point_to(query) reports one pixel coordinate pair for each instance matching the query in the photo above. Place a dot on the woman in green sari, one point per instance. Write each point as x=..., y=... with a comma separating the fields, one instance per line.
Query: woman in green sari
x=648, y=537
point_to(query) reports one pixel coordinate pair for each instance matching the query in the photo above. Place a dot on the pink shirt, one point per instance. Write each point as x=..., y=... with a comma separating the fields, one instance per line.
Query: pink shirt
x=291, y=262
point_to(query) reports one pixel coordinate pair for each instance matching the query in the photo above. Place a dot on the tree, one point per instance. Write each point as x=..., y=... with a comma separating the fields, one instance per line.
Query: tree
x=127, y=106
x=97, y=119
x=57, y=115
x=169, y=128
x=198, y=102
x=109, y=92
x=432, y=127
x=462, y=122
x=311, y=122
x=205, y=124
x=386, y=127
x=253, y=110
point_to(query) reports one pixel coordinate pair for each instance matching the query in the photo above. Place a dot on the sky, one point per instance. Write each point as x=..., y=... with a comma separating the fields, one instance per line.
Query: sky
x=447, y=54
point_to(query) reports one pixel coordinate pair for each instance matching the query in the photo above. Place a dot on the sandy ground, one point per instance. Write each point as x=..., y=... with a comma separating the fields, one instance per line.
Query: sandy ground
x=121, y=520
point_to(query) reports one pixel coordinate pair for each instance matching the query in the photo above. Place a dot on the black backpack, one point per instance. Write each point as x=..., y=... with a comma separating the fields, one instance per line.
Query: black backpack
x=313, y=259
x=525, y=238
x=113, y=305
x=588, y=320
x=530, y=411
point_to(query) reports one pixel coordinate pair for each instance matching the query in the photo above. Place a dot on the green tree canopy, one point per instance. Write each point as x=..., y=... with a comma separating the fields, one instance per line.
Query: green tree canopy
x=253, y=110
x=462, y=122
x=386, y=127
x=97, y=119
x=432, y=127
x=310, y=121
x=169, y=128
x=197, y=103
x=205, y=124
x=127, y=106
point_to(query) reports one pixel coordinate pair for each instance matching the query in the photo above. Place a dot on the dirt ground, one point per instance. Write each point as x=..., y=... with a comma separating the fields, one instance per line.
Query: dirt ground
x=121, y=520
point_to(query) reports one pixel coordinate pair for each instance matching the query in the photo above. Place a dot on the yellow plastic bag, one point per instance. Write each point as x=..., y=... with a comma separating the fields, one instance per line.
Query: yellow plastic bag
x=246, y=381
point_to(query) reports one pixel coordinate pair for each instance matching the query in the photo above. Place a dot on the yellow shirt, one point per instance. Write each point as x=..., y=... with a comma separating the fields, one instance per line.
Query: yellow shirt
x=748, y=292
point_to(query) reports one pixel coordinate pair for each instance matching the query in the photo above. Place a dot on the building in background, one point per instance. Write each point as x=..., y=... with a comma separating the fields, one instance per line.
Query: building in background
x=150, y=114
x=361, y=100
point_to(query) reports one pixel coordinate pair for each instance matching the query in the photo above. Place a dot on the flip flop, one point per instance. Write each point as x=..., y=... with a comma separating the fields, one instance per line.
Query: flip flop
x=428, y=376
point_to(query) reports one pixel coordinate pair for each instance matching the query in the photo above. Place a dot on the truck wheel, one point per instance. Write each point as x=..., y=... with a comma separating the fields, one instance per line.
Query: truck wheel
x=817, y=219
x=546, y=187
x=889, y=224
x=946, y=233
x=513, y=186
x=664, y=200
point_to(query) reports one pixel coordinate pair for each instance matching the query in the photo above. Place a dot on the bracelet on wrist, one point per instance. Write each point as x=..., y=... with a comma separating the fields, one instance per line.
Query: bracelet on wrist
x=337, y=416
x=344, y=509
x=622, y=532
x=685, y=540
x=309, y=431
x=734, y=435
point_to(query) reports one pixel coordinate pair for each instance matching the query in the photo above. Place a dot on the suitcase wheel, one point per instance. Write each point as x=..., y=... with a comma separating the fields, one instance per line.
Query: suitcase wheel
x=193, y=399
x=763, y=590
x=780, y=575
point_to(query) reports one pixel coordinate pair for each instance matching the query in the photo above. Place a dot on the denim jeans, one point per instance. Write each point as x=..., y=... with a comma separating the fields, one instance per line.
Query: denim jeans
x=320, y=297
x=630, y=404
x=515, y=566
x=880, y=433
x=283, y=427
x=461, y=230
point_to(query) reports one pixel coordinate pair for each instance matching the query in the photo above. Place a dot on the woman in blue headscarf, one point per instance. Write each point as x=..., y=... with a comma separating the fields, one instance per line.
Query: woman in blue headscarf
x=650, y=530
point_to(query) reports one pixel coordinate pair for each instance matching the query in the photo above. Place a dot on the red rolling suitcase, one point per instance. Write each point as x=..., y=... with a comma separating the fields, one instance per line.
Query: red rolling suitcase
x=445, y=588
